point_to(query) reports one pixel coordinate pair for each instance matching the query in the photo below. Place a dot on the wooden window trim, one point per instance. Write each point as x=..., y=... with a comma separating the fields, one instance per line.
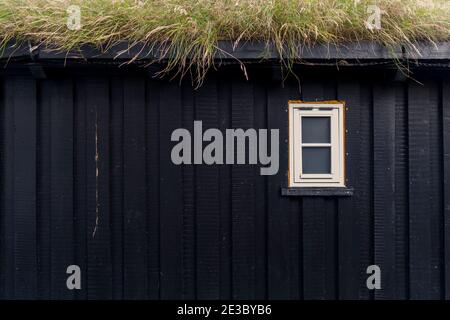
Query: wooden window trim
x=336, y=111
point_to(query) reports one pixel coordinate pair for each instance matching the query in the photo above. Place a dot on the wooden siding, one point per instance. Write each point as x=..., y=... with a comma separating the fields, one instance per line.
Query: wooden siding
x=91, y=153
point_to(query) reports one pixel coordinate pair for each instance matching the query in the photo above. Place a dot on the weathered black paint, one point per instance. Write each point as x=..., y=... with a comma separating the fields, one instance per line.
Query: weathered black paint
x=95, y=143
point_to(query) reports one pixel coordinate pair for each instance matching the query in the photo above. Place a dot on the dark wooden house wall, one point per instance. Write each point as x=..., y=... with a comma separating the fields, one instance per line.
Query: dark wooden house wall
x=91, y=153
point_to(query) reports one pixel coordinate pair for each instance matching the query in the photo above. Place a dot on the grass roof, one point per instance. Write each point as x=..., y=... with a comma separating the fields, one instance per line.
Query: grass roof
x=187, y=31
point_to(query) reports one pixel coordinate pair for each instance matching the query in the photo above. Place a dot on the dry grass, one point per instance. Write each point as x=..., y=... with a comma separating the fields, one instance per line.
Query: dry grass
x=187, y=31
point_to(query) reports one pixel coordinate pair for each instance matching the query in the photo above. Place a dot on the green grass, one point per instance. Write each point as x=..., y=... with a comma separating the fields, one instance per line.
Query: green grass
x=187, y=31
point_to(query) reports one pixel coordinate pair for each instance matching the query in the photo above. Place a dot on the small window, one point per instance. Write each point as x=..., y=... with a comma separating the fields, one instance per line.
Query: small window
x=316, y=144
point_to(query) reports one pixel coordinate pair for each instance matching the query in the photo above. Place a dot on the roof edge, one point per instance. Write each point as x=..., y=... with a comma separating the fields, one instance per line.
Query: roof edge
x=242, y=51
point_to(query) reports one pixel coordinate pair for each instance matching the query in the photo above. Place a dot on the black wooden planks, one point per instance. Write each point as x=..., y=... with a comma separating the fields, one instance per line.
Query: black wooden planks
x=25, y=247
x=98, y=189
x=44, y=194
x=446, y=180
x=364, y=200
x=116, y=184
x=423, y=239
x=243, y=200
x=401, y=193
x=189, y=200
x=384, y=187
x=207, y=200
x=152, y=192
x=19, y=181
x=436, y=190
x=101, y=148
x=8, y=227
x=56, y=180
x=80, y=182
x=282, y=272
x=348, y=212
x=260, y=122
x=225, y=274
x=134, y=203
x=171, y=196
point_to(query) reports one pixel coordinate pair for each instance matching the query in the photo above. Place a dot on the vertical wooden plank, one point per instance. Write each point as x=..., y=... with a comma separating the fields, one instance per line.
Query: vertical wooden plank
x=44, y=195
x=80, y=181
x=2, y=201
x=2, y=191
x=243, y=200
x=446, y=159
x=153, y=194
x=44, y=192
x=171, y=197
x=19, y=182
x=436, y=183
x=280, y=272
x=314, y=257
x=364, y=197
x=224, y=93
x=60, y=101
x=260, y=122
x=189, y=201
x=401, y=193
x=207, y=200
x=135, y=219
x=295, y=249
x=98, y=233
x=348, y=210
x=420, y=238
x=384, y=187
x=116, y=176
x=25, y=188
x=8, y=191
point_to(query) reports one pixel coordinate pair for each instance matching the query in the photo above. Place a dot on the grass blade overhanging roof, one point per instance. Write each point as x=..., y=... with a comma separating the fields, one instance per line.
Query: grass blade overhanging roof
x=187, y=31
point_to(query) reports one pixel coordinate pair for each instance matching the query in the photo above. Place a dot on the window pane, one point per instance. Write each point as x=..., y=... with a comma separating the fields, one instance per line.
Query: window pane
x=316, y=129
x=316, y=160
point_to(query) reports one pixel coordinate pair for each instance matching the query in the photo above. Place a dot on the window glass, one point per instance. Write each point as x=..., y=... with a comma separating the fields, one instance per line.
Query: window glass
x=316, y=160
x=316, y=129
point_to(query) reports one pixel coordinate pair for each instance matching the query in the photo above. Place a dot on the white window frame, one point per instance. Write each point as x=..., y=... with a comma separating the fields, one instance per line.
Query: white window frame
x=334, y=110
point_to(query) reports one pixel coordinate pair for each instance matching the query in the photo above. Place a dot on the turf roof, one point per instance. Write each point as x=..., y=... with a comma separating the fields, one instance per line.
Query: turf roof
x=186, y=32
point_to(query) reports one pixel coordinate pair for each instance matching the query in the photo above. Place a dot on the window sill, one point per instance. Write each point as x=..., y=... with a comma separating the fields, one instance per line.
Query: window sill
x=317, y=192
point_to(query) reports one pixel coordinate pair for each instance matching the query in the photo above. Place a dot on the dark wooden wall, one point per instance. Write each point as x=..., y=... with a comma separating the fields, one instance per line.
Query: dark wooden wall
x=80, y=147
